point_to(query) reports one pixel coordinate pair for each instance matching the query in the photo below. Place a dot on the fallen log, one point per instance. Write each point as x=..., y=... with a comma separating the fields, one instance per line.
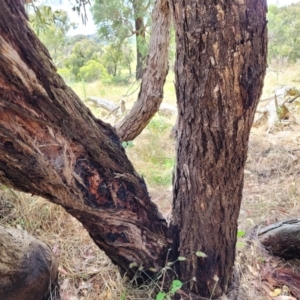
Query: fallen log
x=118, y=110
x=276, y=109
x=282, y=238
x=105, y=104
x=28, y=269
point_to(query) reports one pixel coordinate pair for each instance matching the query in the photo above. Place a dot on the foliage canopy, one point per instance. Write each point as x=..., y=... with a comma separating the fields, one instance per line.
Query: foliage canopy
x=284, y=29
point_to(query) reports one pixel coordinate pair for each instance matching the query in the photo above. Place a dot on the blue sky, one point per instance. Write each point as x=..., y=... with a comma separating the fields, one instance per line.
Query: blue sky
x=90, y=28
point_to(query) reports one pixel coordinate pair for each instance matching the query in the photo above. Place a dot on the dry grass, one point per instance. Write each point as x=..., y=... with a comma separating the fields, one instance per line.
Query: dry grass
x=287, y=76
x=83, y=267
x=271, y=193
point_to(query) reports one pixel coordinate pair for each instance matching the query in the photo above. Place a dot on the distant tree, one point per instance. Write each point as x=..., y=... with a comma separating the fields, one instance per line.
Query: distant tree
x=67, y=75
x=119, y=20
x=83, y=51
x=128, y=56
x=284, y=32
x=116, y=56
x=52, y=27
x=72, y=40
x=93, y=70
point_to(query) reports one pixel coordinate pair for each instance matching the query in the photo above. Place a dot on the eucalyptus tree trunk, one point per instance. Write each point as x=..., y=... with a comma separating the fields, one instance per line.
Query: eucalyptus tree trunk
x=140, y=44
x=140, y=37
x=154, y=77
x=52, y=146
x=220, y=67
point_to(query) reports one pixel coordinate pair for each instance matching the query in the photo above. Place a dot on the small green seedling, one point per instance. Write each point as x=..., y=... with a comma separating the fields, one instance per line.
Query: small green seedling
x=176, y=286
x=241, y=233
x=128, y=144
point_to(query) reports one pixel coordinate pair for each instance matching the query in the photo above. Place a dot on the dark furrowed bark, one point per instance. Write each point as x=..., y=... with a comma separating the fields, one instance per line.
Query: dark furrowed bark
x=154, y=77
x=221, y=62
x=52, y=146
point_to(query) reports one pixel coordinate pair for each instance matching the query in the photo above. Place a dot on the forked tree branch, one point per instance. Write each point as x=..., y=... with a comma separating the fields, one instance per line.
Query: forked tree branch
x=52, y=146
x=151, y=92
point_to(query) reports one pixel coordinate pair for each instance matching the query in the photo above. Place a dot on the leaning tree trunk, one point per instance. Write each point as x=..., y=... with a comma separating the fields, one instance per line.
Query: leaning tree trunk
x=52, y=146
x=220, y=67
x=154, y=77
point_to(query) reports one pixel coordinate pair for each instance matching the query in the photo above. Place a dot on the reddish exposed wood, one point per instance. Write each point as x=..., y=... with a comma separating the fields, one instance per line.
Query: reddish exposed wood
x=220, y=67
x=287, y=277
x=151, y=92
x=52, y=146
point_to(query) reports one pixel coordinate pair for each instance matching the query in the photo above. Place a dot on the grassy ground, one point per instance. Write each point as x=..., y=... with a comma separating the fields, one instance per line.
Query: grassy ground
x=271, y=193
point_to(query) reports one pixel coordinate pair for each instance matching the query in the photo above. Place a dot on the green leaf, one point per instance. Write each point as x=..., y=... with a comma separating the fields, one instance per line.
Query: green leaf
x=240, y=245
x=127, y=144
x=160, y=296
x=200, y=254
x=181, y=258
x=123, y=296
x=241, y=233
x=176, y=285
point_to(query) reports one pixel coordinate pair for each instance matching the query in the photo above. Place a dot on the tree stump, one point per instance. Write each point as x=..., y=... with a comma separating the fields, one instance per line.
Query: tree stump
x=28, y=269
x=282, y=238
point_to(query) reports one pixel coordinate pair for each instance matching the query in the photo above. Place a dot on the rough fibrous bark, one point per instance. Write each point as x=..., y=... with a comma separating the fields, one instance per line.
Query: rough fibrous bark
x=154, y=77
x=28, y=268
x=220, y=66
x=52, y=146
x=282, y=238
